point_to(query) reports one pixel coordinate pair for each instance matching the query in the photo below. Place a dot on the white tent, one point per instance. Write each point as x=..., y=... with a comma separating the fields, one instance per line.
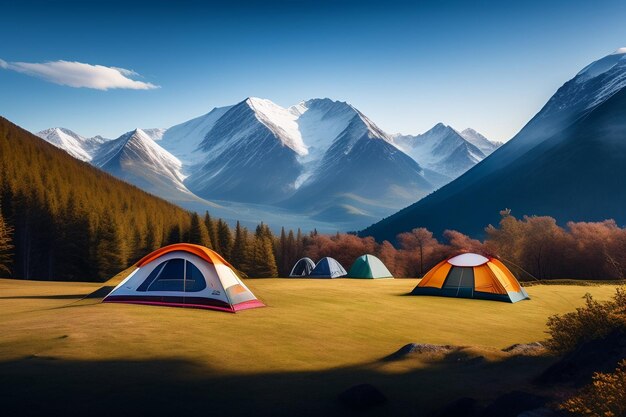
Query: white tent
x=185, y=275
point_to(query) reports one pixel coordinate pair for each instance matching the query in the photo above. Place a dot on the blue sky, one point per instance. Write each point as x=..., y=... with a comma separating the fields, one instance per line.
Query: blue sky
x=490, y=65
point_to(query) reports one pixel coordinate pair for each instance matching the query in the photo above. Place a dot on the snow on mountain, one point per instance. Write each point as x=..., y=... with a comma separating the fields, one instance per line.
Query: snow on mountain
x=248, y=157
x=155, y=134
x=76, y=145
x=362, y=174
x=485, y=145
x=183, y=140
x=135, y=158
x=441, y=149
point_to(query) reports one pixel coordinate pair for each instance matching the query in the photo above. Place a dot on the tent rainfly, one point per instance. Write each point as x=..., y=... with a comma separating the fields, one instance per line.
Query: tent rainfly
x=470, y=275
x=185, y=275
x=328, y=268
x=369, y=266
x=302, y=268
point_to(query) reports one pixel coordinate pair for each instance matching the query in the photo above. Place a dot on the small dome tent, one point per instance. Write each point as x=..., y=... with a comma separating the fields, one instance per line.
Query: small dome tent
x=328, y=268
x=302, y=268
x=369, y=266
x=470, y=275
x=185, y=275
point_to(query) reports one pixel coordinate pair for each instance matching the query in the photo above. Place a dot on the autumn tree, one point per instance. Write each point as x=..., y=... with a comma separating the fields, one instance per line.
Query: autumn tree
x=420, y=245
x=459, y=242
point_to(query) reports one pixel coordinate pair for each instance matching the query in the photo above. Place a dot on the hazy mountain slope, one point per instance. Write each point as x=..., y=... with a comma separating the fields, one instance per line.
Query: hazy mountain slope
x=485, y=145
x=441, y=149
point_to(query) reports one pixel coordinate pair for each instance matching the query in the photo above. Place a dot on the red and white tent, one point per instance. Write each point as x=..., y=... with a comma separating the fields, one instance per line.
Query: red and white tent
x=185, y=275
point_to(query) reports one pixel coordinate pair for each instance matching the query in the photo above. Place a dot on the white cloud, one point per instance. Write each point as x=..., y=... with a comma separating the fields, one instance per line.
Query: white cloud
x=78, y=74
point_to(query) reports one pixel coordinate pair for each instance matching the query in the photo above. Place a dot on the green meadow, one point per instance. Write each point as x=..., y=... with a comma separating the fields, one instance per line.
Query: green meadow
x=314, y=339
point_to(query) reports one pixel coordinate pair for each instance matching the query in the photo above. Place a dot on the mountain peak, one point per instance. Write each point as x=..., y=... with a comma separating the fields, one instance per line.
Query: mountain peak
x=602, y=65
x=620, y=51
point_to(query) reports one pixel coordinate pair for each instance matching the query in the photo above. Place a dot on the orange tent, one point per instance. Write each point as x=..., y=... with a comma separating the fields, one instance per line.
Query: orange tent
x=470, y=275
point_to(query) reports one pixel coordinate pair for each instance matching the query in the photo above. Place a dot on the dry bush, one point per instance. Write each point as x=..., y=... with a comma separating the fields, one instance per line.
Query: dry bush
x=604, y=397
x=592, y=321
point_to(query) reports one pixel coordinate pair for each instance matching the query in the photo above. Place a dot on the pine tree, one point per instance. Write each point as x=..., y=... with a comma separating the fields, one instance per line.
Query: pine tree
x=198, y=233
x=281, y=254
x=71, y=248
x=174, y=235
x=212, y=231
x=299, y=244
x=108, y=253
x=224, y=239
x=150, y=241
x=263, y=262
x=6, y=246
x=291, y=252
x=136, y=246
x=239, y=255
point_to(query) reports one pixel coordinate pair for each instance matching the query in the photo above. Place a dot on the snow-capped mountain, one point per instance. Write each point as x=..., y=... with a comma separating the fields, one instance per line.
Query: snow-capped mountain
x=568, y=162
x=249, y=156
x=76, y=145
x=443, y=150
x=319, y=158
x=139, y=160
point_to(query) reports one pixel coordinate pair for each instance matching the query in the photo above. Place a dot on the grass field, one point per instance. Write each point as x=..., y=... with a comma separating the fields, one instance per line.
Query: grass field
x=315, y=339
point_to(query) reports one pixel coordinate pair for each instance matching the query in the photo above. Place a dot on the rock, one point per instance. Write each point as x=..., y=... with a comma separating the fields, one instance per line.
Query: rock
x=526, y=349
x=463, y=407
x=513, y=404
x=419, y=348
x=362, y=396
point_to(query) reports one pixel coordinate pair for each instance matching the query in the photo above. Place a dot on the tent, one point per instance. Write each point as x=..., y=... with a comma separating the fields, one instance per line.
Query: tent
x=328, y=268
x=470, y=275
x=369, y=266
x=184, y=275
x=302, y=268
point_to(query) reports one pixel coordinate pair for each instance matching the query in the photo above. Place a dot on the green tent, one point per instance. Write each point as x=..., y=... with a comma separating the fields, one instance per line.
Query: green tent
x=369, y=266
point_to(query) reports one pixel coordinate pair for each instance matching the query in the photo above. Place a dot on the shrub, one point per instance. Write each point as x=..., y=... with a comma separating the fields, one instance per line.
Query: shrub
x=604, y=397
x=592, y=321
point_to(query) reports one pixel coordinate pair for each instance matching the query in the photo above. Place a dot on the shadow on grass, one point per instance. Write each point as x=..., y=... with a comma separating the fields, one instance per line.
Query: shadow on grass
x=48, y=386
x=44, y=297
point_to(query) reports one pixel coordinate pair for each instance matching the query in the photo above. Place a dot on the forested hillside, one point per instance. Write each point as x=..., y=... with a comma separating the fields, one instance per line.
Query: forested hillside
x=71, y=221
